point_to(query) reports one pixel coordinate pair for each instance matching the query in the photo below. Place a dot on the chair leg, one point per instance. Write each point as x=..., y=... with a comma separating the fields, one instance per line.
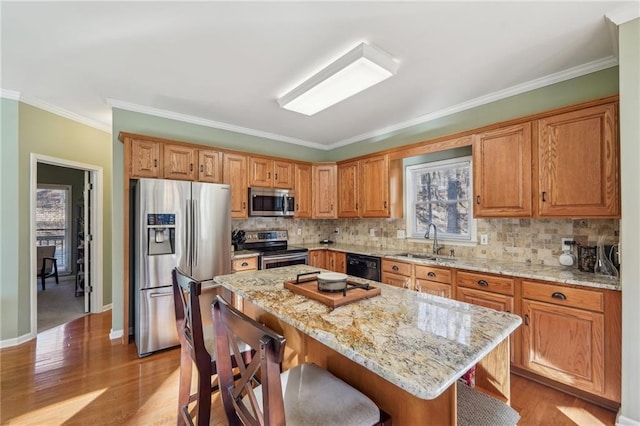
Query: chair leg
x=55, y=270
x=184, y=390
x=204, y=398
x=42, y=279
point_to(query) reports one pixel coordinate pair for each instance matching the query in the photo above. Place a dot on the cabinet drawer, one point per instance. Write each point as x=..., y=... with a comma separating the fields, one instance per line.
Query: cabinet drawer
x=394, y=267
x=433, y=273
x=486, y=282
x=565, y=296
x=245, y=264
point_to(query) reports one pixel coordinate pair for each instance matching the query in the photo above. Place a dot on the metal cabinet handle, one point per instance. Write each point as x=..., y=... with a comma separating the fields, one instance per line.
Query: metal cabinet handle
x=385, y=204
x=244, y=205
x=276, y=177
x=201, y=168
x=431, y=274
x=483, y=283
x=395, y=267
x=544, y=196
x=356, y=206
x=331, y=207
x=155, y=163
x=191, y=167
x=558, y=295
x=297, y=206
x=244, y=264
x=268, y=175
x=477, y=199
x=526, y=319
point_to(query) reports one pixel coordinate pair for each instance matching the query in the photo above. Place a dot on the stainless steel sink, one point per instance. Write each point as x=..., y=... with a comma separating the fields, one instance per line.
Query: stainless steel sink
x=425, y=256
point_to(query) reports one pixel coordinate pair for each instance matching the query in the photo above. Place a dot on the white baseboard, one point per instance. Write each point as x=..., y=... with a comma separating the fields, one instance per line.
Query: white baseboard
x=108, y=307
x=116, y=334
x=626, y=421
x=7, y=343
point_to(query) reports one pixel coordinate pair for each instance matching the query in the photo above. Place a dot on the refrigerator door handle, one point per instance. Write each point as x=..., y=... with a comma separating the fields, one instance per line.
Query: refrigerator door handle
x=188, y=226
x=196, y=232
x=154, y=295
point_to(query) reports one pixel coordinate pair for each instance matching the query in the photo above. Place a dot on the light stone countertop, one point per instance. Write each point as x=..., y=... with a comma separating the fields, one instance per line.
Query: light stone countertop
x=244, y=254
x=553, y=273
x=419, y=342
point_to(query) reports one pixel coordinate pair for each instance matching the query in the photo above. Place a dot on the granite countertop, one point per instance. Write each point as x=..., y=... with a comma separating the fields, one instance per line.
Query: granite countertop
x=244, y=254
x=560, y=274
x=419, y=342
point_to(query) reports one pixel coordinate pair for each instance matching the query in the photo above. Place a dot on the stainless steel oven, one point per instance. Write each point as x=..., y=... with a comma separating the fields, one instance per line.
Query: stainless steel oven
x=274, y=249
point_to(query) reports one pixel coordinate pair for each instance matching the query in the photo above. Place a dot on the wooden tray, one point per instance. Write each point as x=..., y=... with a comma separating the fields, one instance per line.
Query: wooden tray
x=309, y=288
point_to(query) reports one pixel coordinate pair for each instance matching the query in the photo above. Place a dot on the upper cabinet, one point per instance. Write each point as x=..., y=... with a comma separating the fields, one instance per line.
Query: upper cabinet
x=145, y=159
x=234, y=172
x=324, y=191
x=179, y=162
x=303, y=191
x=268, y=172
x=209, y=166
x=578, y=161
x=502, y=172
x=364, y=188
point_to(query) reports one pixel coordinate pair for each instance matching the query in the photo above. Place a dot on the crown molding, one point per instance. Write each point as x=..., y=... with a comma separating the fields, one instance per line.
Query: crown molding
x=624, y=14
x=9, y=94
x=558, y=77
x=114, y=103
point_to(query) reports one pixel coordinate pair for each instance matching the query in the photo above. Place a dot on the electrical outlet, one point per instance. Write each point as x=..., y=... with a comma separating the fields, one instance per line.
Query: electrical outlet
x=337, y=231
x=484, y=239
x=299, y=231
x=565, y=246
x=400, y=233
x=372, y=232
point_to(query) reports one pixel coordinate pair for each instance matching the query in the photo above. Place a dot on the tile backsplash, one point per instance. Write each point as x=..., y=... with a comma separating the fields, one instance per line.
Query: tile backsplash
x=535, y=241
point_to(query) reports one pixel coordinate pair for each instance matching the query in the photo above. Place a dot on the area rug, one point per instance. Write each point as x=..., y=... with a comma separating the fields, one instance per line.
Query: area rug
x=478, y=409
x=58, y=304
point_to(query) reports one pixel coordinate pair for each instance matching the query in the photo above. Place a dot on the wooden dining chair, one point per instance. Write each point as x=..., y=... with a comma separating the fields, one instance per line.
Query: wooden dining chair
x=197, y=347
x=303, y=395
x=46, y=264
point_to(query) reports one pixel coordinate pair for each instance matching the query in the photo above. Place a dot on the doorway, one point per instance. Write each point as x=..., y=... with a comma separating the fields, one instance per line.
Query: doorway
x=66, y=212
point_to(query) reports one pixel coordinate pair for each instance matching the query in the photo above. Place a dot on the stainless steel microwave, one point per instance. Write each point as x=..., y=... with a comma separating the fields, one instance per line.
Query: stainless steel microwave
x=271, y=202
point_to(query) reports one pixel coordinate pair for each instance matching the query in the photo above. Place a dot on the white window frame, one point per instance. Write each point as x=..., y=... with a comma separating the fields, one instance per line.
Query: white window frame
x=410, y=197
x=68, y=267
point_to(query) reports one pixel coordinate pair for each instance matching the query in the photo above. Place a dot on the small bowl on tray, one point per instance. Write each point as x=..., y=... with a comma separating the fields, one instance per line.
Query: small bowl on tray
x=332, y=281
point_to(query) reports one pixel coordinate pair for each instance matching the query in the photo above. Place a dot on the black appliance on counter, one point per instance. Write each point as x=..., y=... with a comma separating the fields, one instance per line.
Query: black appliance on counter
x=363, y=266
x=274, y=249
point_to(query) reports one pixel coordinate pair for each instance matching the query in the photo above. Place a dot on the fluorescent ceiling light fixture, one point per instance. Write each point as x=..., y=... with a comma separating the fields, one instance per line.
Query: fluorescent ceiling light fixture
x=357, y=70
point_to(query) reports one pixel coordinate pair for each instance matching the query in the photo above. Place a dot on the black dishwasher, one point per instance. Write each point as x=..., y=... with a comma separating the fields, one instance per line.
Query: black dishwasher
x=363, y=266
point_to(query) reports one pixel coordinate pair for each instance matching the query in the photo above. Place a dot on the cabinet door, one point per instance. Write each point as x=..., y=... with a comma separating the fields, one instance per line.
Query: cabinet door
x=502, y=172
x=578, y=157
x=432, y=287
x=317, y=258
x=179, y=162
x=336, y=261
x=499, y=302
x=374, y=186
x=564, y=344
x=348, y=189
x=260, y=172
x=396, y=280
x=282, y=174
x=145, y=159
x=303, y=190
x=324, y=191
x=234, y=173
x=209, y=166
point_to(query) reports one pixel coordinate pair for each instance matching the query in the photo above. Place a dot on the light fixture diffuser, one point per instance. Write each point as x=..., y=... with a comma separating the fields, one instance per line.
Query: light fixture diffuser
x=357, y=70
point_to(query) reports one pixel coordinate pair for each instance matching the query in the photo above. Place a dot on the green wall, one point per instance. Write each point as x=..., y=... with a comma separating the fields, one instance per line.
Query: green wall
x=591, y=86
x=9, y=217
x=31, y=130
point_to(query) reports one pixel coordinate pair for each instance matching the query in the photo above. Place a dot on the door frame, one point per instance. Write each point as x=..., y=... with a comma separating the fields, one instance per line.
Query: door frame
x=96, y=219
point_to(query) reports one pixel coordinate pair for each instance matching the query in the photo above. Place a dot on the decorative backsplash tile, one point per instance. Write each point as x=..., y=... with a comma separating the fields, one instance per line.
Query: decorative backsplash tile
x=536, y=241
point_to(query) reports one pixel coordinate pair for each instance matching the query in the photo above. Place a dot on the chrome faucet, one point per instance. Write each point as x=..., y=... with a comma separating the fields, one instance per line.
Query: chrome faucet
x=436, y=247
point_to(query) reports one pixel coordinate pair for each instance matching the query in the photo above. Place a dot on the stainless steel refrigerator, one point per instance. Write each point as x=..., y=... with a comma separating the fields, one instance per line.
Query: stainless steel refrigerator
x=177, y=223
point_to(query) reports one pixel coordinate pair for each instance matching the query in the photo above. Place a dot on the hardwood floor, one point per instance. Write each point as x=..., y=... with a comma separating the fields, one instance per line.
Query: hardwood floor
x=73, y=374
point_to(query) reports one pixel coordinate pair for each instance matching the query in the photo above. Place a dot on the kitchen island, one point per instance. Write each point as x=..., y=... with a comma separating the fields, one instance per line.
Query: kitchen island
x=403, y=349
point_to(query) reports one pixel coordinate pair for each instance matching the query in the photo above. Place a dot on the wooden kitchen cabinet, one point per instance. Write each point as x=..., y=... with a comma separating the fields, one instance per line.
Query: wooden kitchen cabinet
x=145, y=159
x=433, y=280
x=302, y=186
x=317, y=258
x=267, y=172
x=572, y=336
x=244, y=264
x=579, y=164
x=234, y=173
x=336, y=261
x=502, y=172
x=324, y=191
x=179, y=162
x=364, y=188
x=209, y=166
x=396, y=273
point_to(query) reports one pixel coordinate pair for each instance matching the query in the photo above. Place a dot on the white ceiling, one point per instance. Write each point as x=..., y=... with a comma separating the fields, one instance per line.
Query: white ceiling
x=224, y=64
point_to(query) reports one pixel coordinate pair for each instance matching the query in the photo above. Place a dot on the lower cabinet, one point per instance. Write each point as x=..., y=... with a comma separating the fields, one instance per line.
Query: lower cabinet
x=317, y=258
x=336, y=261
x=396, y=273
x=433, y=280
x=244, y=264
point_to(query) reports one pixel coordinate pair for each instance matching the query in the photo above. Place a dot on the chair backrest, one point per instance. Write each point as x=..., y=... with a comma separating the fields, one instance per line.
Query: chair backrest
x=230, y=326
x=42, y=252
x=186, y=292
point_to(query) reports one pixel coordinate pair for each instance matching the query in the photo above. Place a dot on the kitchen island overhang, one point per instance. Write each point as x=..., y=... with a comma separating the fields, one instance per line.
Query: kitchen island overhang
x=417, y=342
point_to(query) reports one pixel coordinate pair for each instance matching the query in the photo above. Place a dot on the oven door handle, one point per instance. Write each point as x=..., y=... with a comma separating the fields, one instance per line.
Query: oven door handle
x=284, y=257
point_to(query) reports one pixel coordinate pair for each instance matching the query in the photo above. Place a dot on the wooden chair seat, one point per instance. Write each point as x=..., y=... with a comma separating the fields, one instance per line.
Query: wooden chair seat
x=197, y=346
x=304, y=395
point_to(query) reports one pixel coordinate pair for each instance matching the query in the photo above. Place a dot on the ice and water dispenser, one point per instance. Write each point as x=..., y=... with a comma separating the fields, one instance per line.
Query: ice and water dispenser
x=161, y=234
